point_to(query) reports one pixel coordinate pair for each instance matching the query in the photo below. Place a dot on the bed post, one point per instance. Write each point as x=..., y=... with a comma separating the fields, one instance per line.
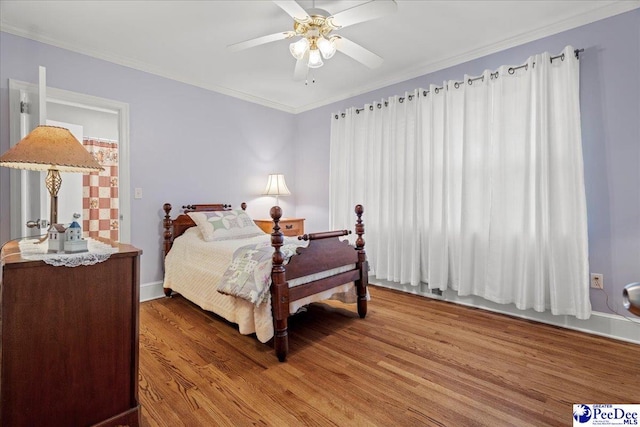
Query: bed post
x=167, y=223
x=279, y=289
x=362, y=264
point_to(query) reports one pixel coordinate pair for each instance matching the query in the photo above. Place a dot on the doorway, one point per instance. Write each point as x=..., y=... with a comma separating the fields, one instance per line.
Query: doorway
x=102, y=120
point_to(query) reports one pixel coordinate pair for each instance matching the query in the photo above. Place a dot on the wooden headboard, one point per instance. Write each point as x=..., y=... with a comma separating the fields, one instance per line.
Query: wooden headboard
x=175, y=227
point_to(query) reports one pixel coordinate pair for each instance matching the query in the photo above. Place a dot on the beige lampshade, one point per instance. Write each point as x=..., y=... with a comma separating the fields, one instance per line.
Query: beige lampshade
x=276, y=186
x=50, y=147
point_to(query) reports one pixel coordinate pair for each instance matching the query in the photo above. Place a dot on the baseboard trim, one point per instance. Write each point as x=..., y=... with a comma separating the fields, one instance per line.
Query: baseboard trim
x=151, y=291
x=603, y=324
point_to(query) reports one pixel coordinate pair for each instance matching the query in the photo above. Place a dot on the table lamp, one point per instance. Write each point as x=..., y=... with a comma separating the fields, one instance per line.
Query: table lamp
x=52, y=149
x=276, y=186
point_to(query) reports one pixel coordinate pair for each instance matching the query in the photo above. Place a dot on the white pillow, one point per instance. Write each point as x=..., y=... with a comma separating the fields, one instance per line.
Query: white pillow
x=223, y=225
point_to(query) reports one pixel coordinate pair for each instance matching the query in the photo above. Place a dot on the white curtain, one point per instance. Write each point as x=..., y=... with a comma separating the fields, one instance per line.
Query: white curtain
x=476, y=185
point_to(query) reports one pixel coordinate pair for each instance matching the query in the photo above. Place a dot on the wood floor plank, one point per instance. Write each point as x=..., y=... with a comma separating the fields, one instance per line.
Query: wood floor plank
x=413, y=361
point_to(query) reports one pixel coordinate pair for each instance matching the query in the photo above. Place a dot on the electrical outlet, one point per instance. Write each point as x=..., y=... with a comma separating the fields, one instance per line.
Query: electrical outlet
x=597, y=281
x=137, y=193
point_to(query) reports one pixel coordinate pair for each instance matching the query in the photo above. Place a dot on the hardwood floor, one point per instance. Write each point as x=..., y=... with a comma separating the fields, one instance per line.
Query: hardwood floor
x=412, y=361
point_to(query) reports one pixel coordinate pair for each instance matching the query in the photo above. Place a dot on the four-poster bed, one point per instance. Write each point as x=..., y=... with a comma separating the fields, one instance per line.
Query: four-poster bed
x=327, y=267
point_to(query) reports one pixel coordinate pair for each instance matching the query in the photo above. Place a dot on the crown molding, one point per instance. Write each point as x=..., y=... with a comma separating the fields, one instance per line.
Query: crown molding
x=606, y=11
x=144, y=67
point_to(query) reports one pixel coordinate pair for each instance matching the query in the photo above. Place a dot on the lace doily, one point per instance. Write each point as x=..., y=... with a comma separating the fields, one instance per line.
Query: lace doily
x=36, y=251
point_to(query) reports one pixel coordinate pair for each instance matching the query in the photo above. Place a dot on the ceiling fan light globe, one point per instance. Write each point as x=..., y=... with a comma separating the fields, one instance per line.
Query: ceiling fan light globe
x=327, y=47
x=299, y=48
x=315, y=60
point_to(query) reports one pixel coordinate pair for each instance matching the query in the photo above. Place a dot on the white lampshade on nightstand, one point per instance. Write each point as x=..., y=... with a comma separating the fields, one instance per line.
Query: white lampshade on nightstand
x=276, y=186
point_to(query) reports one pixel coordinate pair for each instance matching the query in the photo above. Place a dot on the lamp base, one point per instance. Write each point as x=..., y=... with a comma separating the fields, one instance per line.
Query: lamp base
x=53, y=181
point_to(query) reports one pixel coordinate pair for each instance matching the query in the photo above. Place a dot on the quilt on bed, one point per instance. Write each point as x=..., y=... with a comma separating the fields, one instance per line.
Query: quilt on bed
x=249, y=273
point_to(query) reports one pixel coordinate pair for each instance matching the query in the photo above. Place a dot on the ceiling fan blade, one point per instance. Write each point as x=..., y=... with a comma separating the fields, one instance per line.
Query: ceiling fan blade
x=301, y=70
x=294, y=10
x=365, y=12
x=358, y=53
x=260, y=40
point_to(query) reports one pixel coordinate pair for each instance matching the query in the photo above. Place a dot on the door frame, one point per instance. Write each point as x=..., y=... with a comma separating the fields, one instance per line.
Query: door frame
x=75, y=99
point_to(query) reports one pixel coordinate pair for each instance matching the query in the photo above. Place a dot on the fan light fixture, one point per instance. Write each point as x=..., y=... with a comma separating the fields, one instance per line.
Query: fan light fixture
x=327, y=47
x=314, y=40
x=299, y=48
x=315, y=31
x=315, y=61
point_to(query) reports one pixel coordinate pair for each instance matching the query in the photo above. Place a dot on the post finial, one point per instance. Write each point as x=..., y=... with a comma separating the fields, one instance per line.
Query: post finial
x=276, y=213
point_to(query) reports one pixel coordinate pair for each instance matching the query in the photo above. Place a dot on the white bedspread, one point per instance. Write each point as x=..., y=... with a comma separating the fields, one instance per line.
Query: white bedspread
x=193, y=268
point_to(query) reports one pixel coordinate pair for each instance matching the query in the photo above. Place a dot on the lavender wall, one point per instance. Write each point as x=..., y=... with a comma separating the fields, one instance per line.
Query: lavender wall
x=610, y=108
x=187, y=145
x=191, y=145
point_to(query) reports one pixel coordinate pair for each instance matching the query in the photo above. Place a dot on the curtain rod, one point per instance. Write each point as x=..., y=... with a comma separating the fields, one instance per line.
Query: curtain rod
x=470, y=81
x=561, y=57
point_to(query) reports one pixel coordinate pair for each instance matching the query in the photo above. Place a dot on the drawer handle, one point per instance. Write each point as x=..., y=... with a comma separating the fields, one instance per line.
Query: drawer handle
x=288, y=226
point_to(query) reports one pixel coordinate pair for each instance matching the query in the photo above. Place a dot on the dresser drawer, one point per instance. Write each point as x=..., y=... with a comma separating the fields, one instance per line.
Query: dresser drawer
x=288, y=226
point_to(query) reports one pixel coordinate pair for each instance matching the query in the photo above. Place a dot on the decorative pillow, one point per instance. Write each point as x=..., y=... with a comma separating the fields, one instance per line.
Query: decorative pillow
x=223, y=225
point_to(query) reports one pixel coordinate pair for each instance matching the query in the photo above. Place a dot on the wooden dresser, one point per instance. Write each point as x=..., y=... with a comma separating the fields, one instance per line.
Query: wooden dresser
x=69, y=352
x=288, y=226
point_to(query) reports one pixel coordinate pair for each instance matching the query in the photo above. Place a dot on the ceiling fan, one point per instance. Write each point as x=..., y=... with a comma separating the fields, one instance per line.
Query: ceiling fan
x=316, y=38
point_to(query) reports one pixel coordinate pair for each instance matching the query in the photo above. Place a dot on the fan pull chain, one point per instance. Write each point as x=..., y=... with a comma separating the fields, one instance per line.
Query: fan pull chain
x=306, y=80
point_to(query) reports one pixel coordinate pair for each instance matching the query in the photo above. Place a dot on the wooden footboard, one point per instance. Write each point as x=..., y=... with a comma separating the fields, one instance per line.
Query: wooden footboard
x=325, y=252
